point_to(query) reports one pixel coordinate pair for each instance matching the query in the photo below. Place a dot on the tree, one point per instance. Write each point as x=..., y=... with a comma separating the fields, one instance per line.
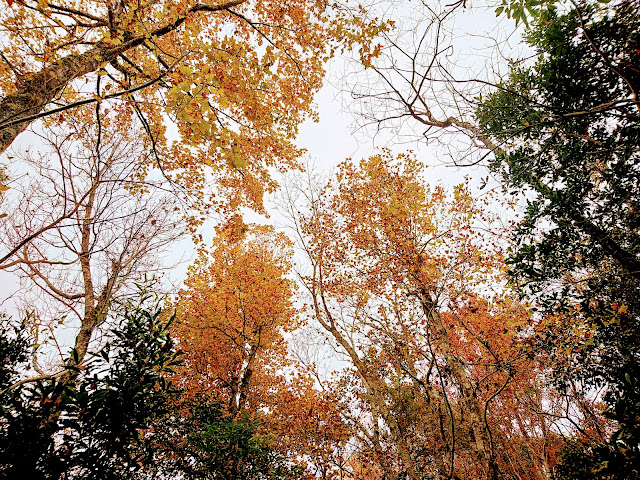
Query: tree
x=409, y=284
x=236, y=319
x=93, y=428
x=568, y=128
x=200, y=439
x=236, y=77
x=564, y=132
x=424, y=85
x=234, y=310
x=83, y=220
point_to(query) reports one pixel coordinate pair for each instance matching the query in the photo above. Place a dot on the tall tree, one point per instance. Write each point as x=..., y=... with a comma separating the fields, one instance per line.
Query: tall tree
x=236, y=313
x=400, y=280
x=234, y=310
x=565, y=132
x=568, y=128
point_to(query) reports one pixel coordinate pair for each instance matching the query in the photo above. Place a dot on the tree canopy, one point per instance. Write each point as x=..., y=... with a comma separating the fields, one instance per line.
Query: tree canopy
x=235, y=77
x=398, y=328
x=569, y=129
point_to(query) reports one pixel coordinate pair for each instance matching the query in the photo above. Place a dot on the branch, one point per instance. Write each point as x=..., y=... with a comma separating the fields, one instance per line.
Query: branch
x=604, y=58
x=99, y=21
x=51, y=287
x=31, y=380
x=87, y=101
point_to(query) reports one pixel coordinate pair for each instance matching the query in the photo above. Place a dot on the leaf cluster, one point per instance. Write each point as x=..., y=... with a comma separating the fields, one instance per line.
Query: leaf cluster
x=89, y=421
x=569, y=134
x=201, y=440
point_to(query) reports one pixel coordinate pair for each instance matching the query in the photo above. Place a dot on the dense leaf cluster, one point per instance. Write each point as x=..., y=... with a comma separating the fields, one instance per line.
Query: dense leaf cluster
x=86, y=422
x=203, y=441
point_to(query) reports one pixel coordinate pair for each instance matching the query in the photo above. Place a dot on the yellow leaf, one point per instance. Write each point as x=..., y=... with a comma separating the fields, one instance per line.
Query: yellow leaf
x=185, y=70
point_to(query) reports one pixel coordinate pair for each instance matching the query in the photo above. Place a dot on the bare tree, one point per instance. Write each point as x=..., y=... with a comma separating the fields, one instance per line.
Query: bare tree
x=433, y=69
x=84, y=220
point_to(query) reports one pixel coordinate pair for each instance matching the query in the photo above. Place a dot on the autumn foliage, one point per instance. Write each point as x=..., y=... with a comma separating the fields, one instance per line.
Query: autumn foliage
x=235, y=77
x=234, y=310
x=400, y=329
x=409, y=283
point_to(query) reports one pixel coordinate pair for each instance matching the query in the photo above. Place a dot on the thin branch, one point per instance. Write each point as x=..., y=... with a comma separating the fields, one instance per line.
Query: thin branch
x=31, y=380
x=99, y=20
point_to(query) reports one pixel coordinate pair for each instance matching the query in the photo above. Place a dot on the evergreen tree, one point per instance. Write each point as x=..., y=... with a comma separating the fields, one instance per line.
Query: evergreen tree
x=569, y=132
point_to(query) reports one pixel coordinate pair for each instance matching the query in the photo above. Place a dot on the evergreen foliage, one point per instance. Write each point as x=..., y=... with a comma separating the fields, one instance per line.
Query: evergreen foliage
x=569, y=130
x=87, y=422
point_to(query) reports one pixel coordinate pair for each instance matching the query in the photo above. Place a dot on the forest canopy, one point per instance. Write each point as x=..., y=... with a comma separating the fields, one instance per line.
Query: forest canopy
x=372, y=322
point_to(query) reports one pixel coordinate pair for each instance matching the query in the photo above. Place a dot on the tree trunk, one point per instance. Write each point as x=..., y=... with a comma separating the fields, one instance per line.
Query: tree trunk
x=38, y=90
